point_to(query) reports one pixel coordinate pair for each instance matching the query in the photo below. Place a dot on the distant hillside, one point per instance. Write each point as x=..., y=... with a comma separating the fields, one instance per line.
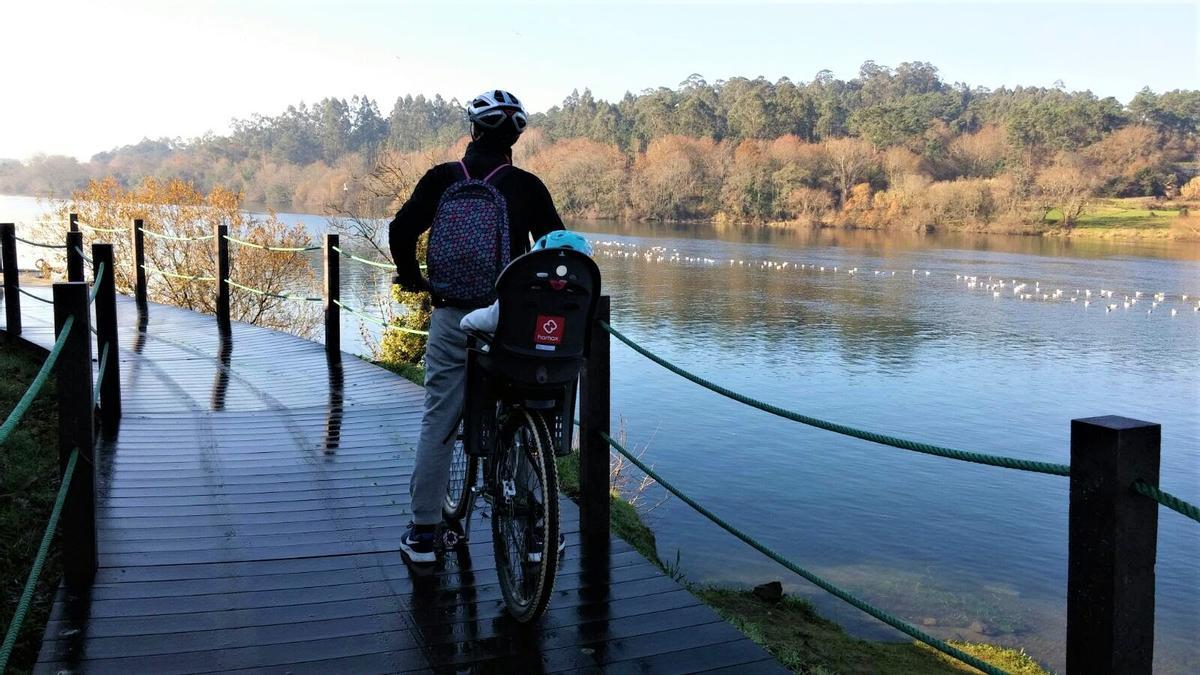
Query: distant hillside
x=748, y=149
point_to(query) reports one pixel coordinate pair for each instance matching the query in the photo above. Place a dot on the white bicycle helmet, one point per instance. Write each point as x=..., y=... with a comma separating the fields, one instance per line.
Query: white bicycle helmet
x=492, y=108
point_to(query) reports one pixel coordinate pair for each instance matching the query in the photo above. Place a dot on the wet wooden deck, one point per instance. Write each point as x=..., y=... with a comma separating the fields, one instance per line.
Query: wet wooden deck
x=249, y=514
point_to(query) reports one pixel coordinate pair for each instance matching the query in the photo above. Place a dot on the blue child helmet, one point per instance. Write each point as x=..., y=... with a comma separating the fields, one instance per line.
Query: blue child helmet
x=564, y=239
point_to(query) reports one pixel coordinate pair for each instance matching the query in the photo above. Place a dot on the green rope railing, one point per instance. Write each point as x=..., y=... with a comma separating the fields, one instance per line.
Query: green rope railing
x=372, y=263
x=1168, y=500
x=84, y=256
x=14, y=418
x=39, y=298
x=163, y=235
x=951, y=453
x=277, y=249
x=889, y=619
x=269, y=294
x=155, y=270
x=96, y=283
x=377, y=320
x=39, y=561
x=100, y=376
x=39, y=244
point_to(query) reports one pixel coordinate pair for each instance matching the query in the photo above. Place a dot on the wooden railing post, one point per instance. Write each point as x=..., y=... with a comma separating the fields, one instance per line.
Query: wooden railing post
x=223, y=279
x=74, y=255
x=12, y=279
x=594, y=421
x=139, y=266
x=1113, y=537
x=73, y=219
x=74, y=385
x=106, y=333
x=333, y=314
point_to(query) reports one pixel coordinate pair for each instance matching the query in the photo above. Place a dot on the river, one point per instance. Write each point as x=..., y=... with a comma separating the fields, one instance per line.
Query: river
x=918, y=343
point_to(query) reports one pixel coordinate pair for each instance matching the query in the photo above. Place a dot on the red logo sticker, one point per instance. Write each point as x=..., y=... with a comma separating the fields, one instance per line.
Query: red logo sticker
x=549, y=330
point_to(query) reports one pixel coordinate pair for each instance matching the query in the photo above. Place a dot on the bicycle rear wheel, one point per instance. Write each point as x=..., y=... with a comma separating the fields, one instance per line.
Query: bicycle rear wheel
x=463, y=473
x=525, y=525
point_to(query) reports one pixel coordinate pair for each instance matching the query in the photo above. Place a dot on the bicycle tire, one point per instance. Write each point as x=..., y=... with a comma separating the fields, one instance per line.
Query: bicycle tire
x=525, y=461
x=463, y=475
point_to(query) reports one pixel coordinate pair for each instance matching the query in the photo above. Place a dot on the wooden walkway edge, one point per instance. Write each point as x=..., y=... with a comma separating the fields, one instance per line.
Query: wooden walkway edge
x=248, y=517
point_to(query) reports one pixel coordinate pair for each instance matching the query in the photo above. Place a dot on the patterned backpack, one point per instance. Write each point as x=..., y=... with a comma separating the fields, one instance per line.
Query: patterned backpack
x=468, y=242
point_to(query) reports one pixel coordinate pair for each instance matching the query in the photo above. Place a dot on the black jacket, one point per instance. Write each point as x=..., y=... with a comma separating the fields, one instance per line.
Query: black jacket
x=530, y=210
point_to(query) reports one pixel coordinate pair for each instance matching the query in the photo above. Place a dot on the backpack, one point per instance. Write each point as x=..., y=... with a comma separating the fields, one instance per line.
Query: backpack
x=469, y=241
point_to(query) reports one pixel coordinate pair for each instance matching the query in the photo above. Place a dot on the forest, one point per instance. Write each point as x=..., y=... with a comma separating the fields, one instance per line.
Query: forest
x=892, y=147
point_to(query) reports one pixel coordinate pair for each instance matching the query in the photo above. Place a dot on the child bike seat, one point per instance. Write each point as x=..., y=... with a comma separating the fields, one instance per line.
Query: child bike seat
x=548, y=302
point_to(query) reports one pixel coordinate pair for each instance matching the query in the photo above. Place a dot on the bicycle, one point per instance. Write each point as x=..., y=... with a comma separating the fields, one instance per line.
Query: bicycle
x=517, y=417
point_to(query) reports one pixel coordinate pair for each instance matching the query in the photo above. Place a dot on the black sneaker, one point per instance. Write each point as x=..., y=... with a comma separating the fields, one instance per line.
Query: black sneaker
x=418, y=544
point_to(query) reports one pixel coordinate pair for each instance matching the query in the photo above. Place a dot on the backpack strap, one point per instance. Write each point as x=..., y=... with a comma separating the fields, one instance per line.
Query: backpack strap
x=462, y=165
x=495, y=171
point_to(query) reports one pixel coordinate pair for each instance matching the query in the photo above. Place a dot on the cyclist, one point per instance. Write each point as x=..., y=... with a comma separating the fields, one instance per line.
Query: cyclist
x=486, y=319
x=522, y=201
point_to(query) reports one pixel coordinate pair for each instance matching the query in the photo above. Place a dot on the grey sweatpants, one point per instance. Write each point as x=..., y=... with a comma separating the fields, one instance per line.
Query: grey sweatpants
x=445, y=370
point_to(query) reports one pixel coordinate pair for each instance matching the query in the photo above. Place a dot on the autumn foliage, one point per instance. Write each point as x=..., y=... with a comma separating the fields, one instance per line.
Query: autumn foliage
x=176, y=208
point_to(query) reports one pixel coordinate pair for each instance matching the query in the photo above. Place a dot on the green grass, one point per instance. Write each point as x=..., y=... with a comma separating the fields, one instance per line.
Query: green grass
x=410, y=371
x=805, y=642
x=1120, y=213
x=623, y=517
x=28, y=487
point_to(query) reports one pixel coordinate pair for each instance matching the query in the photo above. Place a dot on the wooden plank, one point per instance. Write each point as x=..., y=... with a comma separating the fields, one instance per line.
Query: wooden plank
x=248, y=514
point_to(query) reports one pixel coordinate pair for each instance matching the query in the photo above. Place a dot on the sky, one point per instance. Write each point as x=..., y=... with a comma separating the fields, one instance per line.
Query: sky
x=82, y=77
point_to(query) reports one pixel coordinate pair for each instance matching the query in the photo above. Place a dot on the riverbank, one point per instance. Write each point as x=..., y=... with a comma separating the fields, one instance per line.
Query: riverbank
x=28, y=486
x=1128, y=219
x=790, y=628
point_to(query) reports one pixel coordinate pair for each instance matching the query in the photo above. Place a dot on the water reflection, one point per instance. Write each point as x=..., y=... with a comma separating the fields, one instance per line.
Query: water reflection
x=884, y=242
x=337, y=395
x=221, y=377
x=139, y=338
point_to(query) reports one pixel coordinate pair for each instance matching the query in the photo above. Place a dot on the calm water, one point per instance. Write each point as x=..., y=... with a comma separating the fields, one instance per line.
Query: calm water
x=917, y=355
x=968, y=551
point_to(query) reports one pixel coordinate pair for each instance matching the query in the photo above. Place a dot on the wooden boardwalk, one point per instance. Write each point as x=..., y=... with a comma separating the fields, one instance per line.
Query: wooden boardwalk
x=249, y=514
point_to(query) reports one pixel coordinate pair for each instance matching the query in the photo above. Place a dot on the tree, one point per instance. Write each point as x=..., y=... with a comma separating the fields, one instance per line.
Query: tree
x=1130, y=162
x=368, y=129
x=177, y=208
x=978, y=155
x=1066, y=185
x=697, y=115
x=1191, y=189
x=849, y=158
x=586, y=178
x=808, y=205
x=677, y=178
x=749, y=190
